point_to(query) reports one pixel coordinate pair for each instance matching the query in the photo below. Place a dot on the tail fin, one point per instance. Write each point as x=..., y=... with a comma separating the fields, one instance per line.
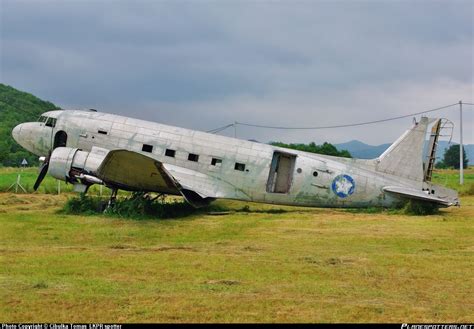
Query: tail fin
x=404, y=158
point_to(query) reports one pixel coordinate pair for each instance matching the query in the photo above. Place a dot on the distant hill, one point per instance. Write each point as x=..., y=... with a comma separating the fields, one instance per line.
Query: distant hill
x=361, y=150
x=17, y=107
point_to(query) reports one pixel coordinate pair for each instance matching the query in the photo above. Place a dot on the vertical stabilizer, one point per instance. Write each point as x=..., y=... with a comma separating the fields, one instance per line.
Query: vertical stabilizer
x=404, y=158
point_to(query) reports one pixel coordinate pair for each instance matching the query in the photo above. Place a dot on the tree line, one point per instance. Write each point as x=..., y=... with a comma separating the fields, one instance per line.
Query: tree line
x=325, y=148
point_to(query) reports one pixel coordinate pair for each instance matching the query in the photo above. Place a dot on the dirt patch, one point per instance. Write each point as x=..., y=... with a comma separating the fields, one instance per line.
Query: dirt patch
x=72, y=248
x=163, y=248
x=254, y=249
x=170, y=248
x=224, y=282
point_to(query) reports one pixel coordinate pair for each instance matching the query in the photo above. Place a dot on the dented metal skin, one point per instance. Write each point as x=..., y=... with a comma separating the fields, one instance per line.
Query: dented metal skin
x=94, y=139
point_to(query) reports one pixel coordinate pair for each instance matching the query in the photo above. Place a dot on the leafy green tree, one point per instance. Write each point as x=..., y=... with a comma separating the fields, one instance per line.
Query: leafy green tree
x=325, y=148
x=441, y=165
x=451, y=158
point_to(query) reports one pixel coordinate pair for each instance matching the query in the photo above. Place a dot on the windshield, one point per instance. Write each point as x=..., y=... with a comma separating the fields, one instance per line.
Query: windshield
x=50, y=122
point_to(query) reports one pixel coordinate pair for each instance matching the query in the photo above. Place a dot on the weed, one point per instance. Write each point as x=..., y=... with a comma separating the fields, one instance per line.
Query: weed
x=40, y=285
x=136, y=206
x=84, y=205
x=417, y=208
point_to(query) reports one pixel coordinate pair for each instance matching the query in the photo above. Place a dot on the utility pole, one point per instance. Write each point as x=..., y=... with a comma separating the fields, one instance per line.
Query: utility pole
x=461, y=158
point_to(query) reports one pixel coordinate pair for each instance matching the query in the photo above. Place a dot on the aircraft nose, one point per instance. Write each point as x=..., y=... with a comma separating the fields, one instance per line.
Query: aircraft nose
x=16, y=133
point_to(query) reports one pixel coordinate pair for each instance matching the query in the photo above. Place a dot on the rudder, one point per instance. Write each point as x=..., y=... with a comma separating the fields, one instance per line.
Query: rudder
x=404, y=158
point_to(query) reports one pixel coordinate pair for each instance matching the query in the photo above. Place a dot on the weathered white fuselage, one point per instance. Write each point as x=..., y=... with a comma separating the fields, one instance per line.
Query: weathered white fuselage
x=314, y=180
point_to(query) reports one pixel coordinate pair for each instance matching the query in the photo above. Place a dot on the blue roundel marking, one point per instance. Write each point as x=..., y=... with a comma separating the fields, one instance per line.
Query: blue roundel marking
x=343, y=186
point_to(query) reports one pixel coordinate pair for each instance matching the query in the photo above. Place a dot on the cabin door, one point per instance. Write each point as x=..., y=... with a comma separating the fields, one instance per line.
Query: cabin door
x=60, y=139
x=281, y=173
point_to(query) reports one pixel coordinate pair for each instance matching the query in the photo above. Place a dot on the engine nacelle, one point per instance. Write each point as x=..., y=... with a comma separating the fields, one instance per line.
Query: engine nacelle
x=76, y=166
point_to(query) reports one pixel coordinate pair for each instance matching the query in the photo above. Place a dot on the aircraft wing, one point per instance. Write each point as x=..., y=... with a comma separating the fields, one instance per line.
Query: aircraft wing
x=418, y=195
x=136, y=172
x=133, y=171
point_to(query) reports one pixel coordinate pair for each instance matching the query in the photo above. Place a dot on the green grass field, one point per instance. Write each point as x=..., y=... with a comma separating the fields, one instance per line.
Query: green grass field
x=301, y=265
x=450, y=178
x=28, y=176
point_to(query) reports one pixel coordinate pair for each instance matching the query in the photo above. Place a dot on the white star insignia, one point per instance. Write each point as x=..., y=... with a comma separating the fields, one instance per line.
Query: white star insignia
x=343, y=185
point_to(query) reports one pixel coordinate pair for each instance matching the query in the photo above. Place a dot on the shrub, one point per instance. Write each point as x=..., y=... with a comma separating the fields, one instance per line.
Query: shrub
x=420, y=208
x=137, y=206
x=84, y=205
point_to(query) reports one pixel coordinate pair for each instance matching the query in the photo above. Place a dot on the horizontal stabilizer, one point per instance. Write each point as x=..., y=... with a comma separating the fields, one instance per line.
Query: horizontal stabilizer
x=421, y=195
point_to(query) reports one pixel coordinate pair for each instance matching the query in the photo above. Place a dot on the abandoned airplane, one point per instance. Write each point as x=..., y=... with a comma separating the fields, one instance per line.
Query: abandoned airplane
x=88, y=147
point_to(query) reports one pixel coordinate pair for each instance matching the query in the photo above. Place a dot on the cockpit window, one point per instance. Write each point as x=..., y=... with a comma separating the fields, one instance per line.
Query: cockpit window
x=42, y=118
x=51, y=122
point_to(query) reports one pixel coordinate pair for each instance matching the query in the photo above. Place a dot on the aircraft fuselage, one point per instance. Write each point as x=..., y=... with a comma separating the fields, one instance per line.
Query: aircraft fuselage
x=251, y=171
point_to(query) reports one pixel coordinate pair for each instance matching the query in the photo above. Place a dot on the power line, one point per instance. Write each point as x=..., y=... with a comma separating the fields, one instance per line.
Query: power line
x=350, y=124
x=215, y=131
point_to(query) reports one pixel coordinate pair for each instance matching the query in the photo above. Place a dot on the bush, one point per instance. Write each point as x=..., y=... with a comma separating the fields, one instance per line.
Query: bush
x=84, y=205
x=138, y=206
x=420, y=208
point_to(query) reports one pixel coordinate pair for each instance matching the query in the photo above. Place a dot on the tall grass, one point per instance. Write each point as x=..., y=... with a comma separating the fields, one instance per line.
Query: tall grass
x=136, y=206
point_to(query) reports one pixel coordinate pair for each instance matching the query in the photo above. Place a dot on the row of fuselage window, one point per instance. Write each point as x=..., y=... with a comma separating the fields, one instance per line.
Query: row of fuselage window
x=193, y=157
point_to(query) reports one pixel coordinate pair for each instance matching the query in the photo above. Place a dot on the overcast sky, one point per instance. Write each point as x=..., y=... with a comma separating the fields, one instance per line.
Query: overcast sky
x=204, y=64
